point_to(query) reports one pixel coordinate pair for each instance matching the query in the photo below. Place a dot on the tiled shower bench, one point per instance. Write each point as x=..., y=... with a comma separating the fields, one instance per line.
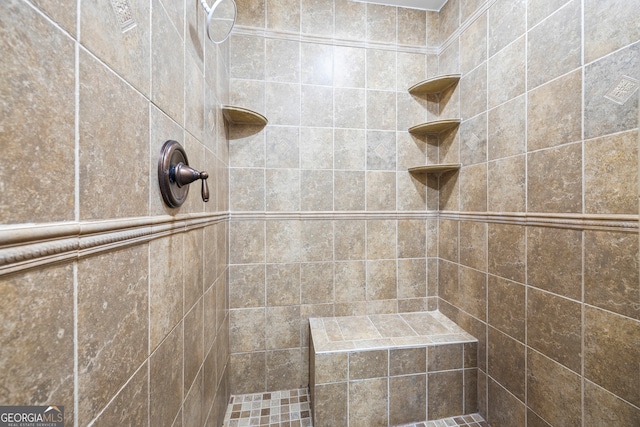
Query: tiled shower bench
x=390, y=369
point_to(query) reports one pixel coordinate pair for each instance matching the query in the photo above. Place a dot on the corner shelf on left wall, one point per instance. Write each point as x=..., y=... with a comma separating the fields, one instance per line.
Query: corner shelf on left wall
x=243, y=116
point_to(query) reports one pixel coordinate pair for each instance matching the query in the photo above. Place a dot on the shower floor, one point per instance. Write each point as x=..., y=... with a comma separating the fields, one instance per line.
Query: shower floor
x=291, y=408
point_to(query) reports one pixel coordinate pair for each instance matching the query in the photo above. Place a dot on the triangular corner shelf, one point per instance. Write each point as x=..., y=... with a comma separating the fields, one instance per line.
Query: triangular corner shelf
x=435, y=85
x=435, y=169
x=434, y=127
x=243, y=116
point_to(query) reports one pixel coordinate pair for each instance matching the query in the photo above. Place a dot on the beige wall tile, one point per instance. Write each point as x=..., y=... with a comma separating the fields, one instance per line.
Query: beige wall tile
x=382, y=280
x=412, y=278
x=506, y=129
x=251, y=13
x=506, y=309
x=247, y=372
x=247, y=56
x=316, y=285
x=473, y=245
x=507, y=22
x=368, y=402
x=608, y=25
x=283, y=103
x=407, y=399
x=412, y=27
x=507, y=251
x=130, y=405
x=316, y=17
x=506, y=185
x=507, y=76
x=282, y=284
x=473, y=92
x=380, y=191
x=29, y=124
x=193, y=341
x=503, y=407
x=554, y=112
x=538, y=10
x=331, y=407
x=444, y=394
x=555, y=46
x=473, y=43
x=473, y=188
x=554, y=181
x=381, y=23
x=381, y=110
x=165, y=379
x=350, y=281
x=449, y=19
x=407, y=361
x=506, y=362
x=602, y=407
x=554, y=260
x=472, y=291
x=473, y=140
x=283, y=15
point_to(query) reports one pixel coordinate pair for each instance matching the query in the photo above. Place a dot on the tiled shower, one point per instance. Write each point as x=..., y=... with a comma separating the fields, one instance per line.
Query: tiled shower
x=127, y=312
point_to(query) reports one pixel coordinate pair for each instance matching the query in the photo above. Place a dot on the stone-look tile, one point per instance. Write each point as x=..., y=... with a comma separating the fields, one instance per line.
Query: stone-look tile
x=449, y=18
x=316, y=64
x=282, y=189
x=381, y=69
x=611, y=272
x=472, y=291
x=316, y=241
x=349, y=108
x=507, y=73
x=317, y=106
x=611, y=353
x=349, y=67
x=282, y=284
x=330, y=406
x=247, y=57
x=368, y=403
x=608, y=26
x=444, y=394
x=381, y=110
x=473, y=90
x=194, y=101
x=448, y=237
x=194, y=343
x=283, y=103
x=534, y=420
x=412, y=27
x=554, y=181
x=470, y=391
x=283, y=15
x=381, y=23
x=104, y=38
x=603, y=408
x=167, y=71
x=381, y=150
x=283, y=147
x=473, y=140
x=282, y=327
x=349, y=243
x=282, y=62
x=165, y=287
x=554, y=112
x=29, y=124
x=316, y=190
x=248, y=189
x=610, y=162
x=538, y=10
x=316, y=283
x=283, y=241
x=36, y=355
x=507, y=251
x=350, y=281
x=602, y=116
x=507, y=22
x=349, y=149
x=554, y=327
x=380, y=191
x=316, y=148
x=331, y=367
x=368, y=364
x=471, y=325
x=506, y=307
x=165, y=379
x=251, y=13
x=316, y=17
x=554, y=260
x=349, y=191
x=381, y=280
x=506, y=185
x=407, y=399
x=412, y=239
x=506, y=362
x=555, y=46
x=412, y=278
x=247, y=329
x=444, y=357
x=192, y=408
x=404, y=361
x=130, y=406
x=482, y=393
x=503, y=408
x=473, y=245
x=284, y=369
x=111, y=113
x=194, y=272
x=473, y=44
x=448, y=61
x=553, y=391
x=247, y=372
x=250, y=94
x=412, y=191
x=507, y=129
x=473, y=188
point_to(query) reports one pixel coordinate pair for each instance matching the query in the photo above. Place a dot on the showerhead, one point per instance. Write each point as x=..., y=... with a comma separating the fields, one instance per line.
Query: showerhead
x=221, y=17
